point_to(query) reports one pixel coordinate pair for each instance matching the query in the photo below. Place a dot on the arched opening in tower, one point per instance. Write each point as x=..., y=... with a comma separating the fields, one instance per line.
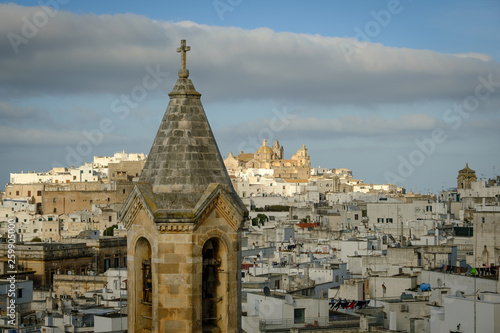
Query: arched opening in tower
x=214, y=286
x=143, y=286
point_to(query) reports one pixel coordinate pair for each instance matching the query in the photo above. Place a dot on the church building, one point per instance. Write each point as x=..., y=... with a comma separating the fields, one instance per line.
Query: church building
x=183, y=221
x=466, y=177
x=298, y=167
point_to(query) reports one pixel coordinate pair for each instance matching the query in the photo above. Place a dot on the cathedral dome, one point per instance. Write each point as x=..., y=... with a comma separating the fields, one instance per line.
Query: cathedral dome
x=265, y=149
x=467, y=170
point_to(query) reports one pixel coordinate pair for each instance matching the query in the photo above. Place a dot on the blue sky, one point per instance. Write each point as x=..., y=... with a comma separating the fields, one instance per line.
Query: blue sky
x=397, y=91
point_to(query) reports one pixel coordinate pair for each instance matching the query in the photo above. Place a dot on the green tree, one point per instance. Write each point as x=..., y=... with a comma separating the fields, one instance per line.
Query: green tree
x=109, y=231
x=262, y=218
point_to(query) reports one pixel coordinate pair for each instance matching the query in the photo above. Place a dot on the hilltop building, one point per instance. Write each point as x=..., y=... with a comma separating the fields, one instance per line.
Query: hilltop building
x=298, y=167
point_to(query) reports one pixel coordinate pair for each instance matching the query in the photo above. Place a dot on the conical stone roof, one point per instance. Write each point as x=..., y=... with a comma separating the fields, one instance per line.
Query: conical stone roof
x=184, y=160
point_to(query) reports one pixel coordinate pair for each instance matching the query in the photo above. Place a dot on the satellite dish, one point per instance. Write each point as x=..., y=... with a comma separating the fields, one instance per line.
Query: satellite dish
x=289, y=299
x=267, y=291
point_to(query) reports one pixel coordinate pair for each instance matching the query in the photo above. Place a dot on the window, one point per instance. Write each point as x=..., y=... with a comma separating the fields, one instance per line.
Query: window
x=356, y=217
x=428, y=208
x=107, y=264
x=117, y=261
x=19, y=293
x=380, y=220
x=54, y=200
x=388, y=220
x=74, y=177
x=17, y=192
x=55, y=210
x=109, y=218
x=299, y=316
x=29, y=193
x=38, y=193
x=336, y=278
x=483, y=219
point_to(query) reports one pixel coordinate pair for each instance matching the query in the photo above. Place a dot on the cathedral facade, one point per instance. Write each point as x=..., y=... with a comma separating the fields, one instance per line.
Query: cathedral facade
x=298, y=167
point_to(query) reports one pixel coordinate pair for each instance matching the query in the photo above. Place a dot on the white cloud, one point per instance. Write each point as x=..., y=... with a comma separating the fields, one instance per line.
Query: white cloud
x=107, y=54
x=11, y=112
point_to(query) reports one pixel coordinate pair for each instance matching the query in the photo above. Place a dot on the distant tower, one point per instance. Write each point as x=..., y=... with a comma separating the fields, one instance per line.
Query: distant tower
x=302, y=156
x=278, y=150
x=183, y=221
x=465, y=177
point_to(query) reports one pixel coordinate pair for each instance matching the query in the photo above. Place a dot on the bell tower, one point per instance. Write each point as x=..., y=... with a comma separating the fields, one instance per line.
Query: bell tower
x=183, y=221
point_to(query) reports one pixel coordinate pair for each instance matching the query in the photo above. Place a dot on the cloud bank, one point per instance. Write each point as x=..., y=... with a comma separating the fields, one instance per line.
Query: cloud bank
x=77, y=54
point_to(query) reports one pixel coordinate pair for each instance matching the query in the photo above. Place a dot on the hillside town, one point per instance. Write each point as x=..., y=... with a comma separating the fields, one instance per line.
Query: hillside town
x=320, y=249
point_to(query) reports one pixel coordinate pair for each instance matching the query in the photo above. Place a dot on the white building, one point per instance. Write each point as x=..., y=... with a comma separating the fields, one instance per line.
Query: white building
x=89, y=172
x=280, y=311
x=113, y=322
x=84, y=173
x=103, y=161
x=467, y=314
x=384, y=213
